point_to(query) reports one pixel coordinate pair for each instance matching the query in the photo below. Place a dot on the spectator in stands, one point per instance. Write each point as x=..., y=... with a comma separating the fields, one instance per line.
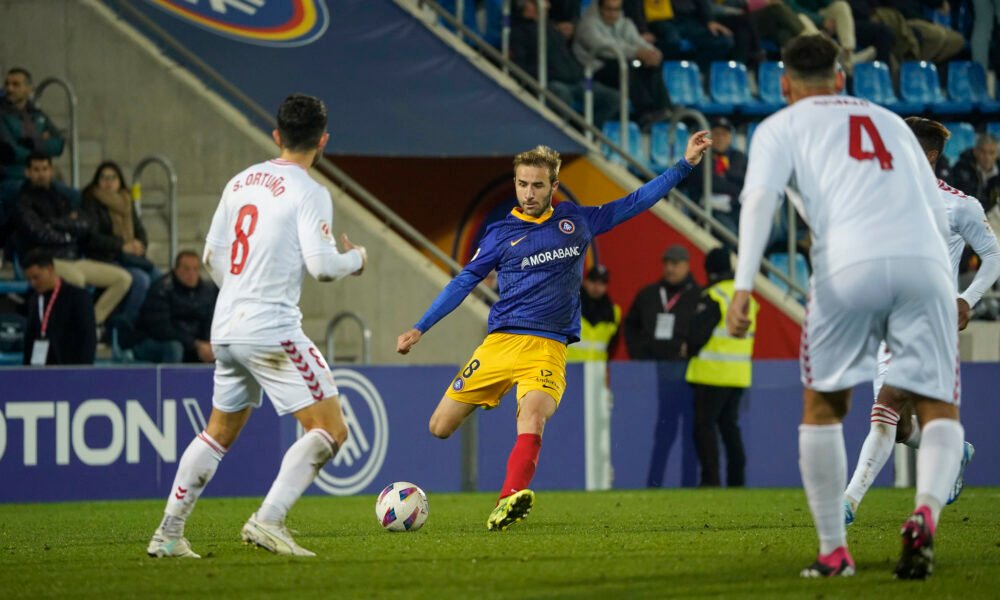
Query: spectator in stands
x=684, y=29
x=603, y=26
x=48, y=220
x=729, y=167
x=116, y=233
x=23, y=127
x=657, y=324
x=916, y=37
x=976, y=167
x=565, y=74
x=175, y=324
x=987, y=13
x=870, y=31
x=600, y=318
x=564, y=14
x=61, y=328
x=833, y=18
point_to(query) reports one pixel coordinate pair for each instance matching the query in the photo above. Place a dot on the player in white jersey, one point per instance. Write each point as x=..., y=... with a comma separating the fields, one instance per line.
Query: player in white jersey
x=880, y=272
x=893, y=423
x=273, y=222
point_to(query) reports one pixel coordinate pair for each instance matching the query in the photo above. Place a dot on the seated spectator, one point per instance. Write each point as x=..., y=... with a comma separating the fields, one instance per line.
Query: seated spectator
x=684, y=29
x=603, y=26
x=47, y=220
x=116, y=233
x=175, y=324
x=565, y=74
x=564, y=14
x=729, y=168
x=61, y=328
x=935, y=43
x=23, y=127
x=657, y=324
x=976, y=167
x=869, y=30
x=834, y=18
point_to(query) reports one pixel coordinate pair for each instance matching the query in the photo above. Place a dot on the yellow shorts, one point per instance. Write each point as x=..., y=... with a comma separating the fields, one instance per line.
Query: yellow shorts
x=506, y=359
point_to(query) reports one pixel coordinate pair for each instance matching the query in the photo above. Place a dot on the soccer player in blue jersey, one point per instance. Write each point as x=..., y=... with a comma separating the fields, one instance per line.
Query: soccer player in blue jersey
x=538, y=252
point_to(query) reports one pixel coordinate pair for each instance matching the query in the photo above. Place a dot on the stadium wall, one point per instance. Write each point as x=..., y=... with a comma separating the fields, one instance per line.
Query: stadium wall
x=74, y=434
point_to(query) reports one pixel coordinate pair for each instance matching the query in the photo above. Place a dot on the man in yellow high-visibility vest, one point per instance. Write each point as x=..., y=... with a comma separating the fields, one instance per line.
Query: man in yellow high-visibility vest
x=600, y=318
x=719, y=372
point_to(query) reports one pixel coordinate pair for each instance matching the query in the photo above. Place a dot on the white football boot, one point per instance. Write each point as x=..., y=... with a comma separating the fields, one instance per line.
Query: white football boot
x=272, y=536
x=161, y=546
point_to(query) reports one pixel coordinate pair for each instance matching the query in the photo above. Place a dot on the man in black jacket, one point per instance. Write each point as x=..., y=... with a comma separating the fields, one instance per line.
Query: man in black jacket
x=657, y=324
x=61, y=328
x=976, y=167
x=176, y=321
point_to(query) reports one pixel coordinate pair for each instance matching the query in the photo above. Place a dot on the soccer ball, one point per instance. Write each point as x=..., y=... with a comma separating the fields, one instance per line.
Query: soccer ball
x=401, y=506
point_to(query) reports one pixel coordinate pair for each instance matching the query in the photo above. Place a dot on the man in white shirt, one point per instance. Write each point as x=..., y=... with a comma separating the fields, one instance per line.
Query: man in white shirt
x=895, y=423
x=273, y=221
x=881, y=271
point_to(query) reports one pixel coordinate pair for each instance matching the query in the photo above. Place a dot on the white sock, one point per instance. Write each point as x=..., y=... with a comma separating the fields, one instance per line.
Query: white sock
x=874, y=453
x=299, y=468
x=823, y=463
x=195, y=470
x=914, y=440
x=938, y=462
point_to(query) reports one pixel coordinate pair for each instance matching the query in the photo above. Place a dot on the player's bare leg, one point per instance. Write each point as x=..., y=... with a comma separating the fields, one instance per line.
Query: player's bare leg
x=325, y=432
x=194, y=471
x=449, y=416
x=938, y=465
x=534, y=410
x=823, y=463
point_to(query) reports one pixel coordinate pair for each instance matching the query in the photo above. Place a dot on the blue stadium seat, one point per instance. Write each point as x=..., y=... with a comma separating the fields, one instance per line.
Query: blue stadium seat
x=919, y=83
x=612, y=129
x=993, y=129
x=683, y=79
x=967, y=83
x=963, y=137
x=729, y=85
x=800, y=271
x=661, y=153
x=751, y=126
x=769, y=81
x=873, y=82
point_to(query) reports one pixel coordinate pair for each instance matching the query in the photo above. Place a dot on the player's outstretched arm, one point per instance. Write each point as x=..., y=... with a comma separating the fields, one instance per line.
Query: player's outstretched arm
x=448, y=300
x=407, y=340
x=603, y=218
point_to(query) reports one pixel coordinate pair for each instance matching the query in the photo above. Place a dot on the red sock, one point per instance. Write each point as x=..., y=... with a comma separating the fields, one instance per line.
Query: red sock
x=521, y=464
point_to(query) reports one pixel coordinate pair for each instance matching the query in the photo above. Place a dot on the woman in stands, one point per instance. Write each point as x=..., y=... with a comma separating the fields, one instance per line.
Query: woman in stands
x=117, y=235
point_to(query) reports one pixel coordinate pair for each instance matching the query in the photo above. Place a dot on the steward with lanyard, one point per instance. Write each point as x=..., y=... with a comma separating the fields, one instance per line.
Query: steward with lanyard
x=656, y=327
x=61, y=328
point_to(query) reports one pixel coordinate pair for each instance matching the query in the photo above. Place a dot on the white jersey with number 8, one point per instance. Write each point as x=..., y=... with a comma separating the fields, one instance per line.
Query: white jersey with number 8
x=272, y=219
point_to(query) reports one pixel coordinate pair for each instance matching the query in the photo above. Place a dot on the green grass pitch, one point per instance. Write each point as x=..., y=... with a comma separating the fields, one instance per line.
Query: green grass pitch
x=621, y=544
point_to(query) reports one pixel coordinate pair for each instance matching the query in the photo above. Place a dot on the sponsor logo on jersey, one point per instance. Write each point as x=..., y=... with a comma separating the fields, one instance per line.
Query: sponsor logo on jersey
x=285, y=23
x=549, y=255
x=324, y=227
x=566, y=226
x=361, y=457
x=517, y=241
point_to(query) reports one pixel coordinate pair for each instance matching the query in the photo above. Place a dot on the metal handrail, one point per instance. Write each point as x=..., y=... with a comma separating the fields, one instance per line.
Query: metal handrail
x=74, y=157
x=701, y=213
x=366, y=335
x=543, y=48
x=623, y=91
x=169, y=210
x=345, y=182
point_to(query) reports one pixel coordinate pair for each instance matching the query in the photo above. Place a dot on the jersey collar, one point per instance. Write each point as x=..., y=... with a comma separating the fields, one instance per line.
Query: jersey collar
x=516, y=211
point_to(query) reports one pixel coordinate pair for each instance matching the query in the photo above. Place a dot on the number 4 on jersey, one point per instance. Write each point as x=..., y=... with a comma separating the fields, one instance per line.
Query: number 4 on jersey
x=862, y=122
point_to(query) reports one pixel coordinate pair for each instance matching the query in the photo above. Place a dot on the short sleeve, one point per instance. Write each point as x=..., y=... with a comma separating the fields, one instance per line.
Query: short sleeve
x=315, y=223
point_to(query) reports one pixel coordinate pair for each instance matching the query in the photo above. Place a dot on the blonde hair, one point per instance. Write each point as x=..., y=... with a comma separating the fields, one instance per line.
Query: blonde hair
x=540, y=156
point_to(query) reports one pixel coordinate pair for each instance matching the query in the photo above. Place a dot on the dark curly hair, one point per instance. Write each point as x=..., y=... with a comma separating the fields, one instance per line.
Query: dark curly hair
x=301, y=122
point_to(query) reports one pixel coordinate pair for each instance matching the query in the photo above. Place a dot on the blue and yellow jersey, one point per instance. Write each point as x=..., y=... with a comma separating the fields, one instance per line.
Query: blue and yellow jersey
x=539, y=262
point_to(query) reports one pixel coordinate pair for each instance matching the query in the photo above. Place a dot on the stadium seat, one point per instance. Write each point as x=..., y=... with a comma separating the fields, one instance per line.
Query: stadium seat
x=683, y=79
x=993, y=129
x=963, y=137
x=661, y=153
x=729, y=86
x=769, y=81
x=873, y=82
x=919, y=83
x=967, y=83
x=612, y=129
x=800, y=272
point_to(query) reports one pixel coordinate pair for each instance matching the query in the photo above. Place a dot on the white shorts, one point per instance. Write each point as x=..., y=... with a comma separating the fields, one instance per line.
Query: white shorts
x=293, y=374
x=908, y=302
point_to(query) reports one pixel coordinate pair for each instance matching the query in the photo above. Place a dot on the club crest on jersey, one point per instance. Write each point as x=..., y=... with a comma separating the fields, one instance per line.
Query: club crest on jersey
x=287, y=24
x=324, y=228
x=458, y=385
x=566, y=226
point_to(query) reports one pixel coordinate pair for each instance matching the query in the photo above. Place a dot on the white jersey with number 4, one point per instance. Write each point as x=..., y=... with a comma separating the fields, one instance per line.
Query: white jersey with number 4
x=866, y=189
x=272, y=219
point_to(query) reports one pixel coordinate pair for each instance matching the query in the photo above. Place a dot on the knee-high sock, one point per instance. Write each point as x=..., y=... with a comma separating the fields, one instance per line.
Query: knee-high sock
x=938, y=462
x=823, y=463
x=874, y=453
x=195, y=470
x=299, y=468
x=914, y=440
x=521, y=464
